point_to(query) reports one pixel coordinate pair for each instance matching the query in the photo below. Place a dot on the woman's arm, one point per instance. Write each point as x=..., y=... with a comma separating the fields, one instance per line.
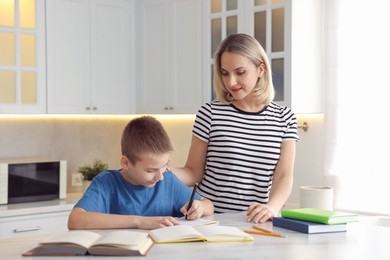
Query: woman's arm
x=82, y=219
x=193, y=170
x=281, y=186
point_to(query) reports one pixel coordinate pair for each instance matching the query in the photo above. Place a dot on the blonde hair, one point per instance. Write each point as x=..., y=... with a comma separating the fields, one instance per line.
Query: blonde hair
x=250, y=48
x=142, y=135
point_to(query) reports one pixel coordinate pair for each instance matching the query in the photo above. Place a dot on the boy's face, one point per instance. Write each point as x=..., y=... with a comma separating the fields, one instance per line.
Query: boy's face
x=147, y=171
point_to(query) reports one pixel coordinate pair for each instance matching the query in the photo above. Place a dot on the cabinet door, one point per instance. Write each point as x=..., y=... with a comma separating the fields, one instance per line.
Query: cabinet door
x=34, y=224
x=68, y=56
x=171, y=57
x=89, y=56
x=155, y=57
x=22, y=57
x=187, y=73
x=110, y=56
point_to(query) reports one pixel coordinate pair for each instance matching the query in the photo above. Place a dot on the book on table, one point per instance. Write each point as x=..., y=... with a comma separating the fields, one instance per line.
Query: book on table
x=206, y=233
x=111, y=243
x=197, y=222
x=307, y=227
x=320, y=215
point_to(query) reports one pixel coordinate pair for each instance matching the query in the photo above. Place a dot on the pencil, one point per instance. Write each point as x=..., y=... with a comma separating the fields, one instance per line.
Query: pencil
x=192, y=198
x=264, y=233
x=262, y=229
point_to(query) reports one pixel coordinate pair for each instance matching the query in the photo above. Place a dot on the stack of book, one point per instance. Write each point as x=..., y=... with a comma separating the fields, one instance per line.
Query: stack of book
x=312, y=221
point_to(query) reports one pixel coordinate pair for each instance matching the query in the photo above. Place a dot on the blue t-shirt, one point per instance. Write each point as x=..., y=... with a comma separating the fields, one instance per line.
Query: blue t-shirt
x=110, y=193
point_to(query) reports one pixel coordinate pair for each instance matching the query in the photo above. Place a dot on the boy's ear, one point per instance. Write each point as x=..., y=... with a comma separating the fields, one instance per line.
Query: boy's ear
x=124, y=162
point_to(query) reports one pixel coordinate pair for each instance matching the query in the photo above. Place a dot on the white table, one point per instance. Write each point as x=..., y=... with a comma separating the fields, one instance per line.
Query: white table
x=368, y=239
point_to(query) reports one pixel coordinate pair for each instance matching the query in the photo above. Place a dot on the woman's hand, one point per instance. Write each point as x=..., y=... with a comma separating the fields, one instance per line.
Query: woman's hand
x=260, y=213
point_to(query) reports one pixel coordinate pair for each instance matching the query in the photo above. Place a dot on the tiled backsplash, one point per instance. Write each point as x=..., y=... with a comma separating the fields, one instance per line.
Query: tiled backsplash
x=81, y=139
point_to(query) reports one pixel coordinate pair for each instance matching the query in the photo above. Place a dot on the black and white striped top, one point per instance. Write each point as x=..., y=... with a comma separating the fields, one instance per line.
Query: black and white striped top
x=243, y=150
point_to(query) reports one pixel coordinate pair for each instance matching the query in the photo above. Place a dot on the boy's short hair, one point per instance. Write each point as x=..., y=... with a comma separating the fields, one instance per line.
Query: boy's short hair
x=142, y=135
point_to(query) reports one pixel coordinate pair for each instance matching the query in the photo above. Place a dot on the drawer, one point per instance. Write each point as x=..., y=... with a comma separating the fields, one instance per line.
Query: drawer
x=34, y=224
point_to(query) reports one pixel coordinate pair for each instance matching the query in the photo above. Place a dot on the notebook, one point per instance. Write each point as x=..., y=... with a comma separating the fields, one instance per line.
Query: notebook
x=207, y=233
x=320, y=215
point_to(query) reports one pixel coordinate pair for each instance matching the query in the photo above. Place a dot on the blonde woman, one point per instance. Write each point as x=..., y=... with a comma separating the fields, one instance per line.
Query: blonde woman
x=243, y=145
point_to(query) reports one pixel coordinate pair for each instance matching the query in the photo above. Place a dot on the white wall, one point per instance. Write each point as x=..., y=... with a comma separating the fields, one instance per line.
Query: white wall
x=308, y=161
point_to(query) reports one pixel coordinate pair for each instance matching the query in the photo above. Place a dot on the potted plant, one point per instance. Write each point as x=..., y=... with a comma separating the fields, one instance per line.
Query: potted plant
x=90, y=171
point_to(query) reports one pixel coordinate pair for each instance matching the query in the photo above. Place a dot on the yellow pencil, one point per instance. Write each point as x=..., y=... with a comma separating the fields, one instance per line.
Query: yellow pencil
x=264, y=233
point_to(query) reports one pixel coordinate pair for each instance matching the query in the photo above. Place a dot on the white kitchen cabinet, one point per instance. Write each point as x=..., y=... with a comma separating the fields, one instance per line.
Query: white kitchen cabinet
x=41, y=217
x=34, y=224
x=22, y=57
x=90, y=50
x=290, y=32
x=170, y=56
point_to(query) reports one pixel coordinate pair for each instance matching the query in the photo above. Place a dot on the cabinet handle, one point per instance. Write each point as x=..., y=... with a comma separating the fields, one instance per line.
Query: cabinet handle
x=168, y=108
x=19, y=230
x=87, y=108
x=94, y=108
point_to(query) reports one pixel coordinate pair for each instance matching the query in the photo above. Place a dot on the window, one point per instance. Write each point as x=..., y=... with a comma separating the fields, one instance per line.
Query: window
x=357, y=114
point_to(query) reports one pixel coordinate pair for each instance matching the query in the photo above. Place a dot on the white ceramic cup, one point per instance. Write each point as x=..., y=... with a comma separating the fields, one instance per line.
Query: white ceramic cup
x=320, y=197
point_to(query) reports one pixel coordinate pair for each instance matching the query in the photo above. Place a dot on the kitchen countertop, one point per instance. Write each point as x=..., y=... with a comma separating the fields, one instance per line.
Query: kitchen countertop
x=39, y=207
x=363, y=240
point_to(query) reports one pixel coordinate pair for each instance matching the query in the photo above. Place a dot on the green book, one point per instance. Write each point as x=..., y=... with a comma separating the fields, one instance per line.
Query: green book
x=320, y=216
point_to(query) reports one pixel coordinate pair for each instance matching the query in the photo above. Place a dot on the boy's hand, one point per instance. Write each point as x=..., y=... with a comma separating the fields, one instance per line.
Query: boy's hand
x=156, y=222
x=196, y=211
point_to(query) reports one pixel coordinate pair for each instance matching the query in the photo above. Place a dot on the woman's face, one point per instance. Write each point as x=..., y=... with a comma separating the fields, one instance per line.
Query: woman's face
x=239, y=74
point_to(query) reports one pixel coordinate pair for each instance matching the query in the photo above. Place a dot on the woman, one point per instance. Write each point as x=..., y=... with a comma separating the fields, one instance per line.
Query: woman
x=243, y=145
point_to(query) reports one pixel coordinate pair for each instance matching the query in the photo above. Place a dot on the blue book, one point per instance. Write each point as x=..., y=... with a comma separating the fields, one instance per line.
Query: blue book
x=307, y=227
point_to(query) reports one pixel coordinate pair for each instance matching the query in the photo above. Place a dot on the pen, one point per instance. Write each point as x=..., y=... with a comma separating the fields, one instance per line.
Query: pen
x=264, y=233
x=192, y=198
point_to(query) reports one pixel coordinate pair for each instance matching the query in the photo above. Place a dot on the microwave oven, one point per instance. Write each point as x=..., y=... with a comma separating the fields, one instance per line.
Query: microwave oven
x=28, y=180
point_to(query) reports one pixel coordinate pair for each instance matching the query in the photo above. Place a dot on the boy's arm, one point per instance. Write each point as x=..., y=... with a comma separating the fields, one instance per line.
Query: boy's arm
x=199, y=208
x=82, y=219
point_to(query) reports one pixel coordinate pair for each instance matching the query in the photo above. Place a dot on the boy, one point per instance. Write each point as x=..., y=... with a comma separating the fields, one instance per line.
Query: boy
x=144, y=194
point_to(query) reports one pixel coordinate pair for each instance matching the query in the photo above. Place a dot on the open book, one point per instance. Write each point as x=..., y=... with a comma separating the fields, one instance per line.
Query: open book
x=112, y=243
x=196, y=222
x=213, y=233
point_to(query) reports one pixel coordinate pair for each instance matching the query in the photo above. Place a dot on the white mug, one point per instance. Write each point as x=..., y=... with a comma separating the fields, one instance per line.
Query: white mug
x=320, y=197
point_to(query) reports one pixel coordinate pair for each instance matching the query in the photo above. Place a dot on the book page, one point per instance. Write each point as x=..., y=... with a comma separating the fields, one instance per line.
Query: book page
x=175, y=233
x=141, y=248
x=122, y=237
x=82, y=238
x=196, y=222
x=224, y=233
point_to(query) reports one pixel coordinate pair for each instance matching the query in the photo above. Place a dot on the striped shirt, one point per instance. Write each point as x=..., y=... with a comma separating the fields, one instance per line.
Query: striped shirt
x=243, y=150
